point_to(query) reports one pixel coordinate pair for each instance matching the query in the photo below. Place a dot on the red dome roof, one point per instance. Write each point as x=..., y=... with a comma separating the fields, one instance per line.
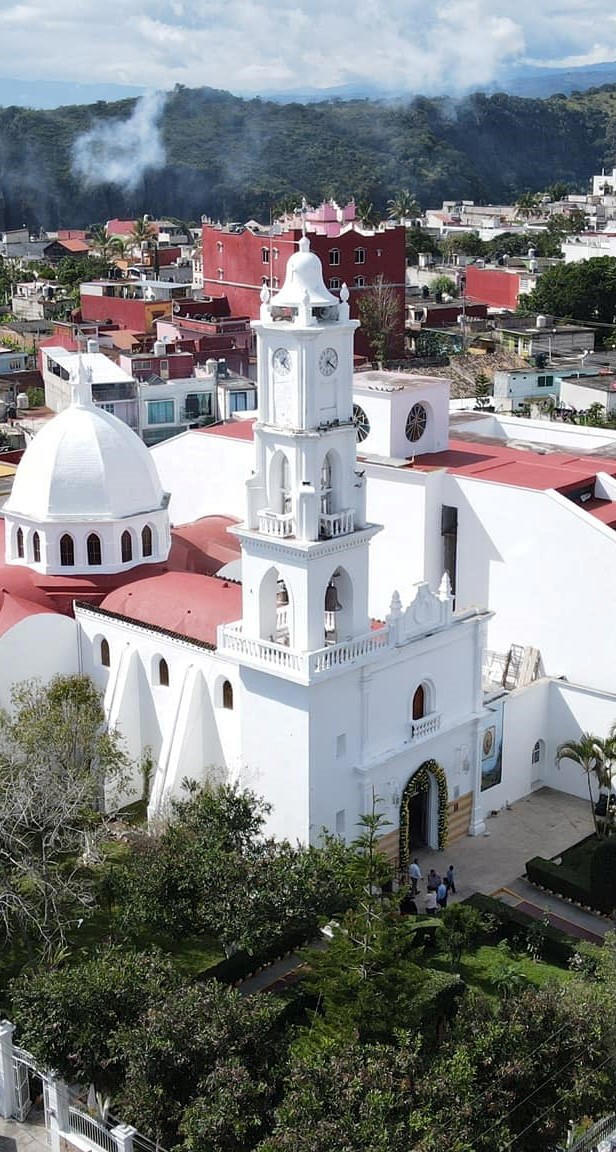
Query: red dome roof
x=203, y=546
x=13, y=609
x=185, y=602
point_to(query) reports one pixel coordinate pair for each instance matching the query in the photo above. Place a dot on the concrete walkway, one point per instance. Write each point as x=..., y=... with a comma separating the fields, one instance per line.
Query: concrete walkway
x=29, y=1136
x=563, y=915
x=542, y=824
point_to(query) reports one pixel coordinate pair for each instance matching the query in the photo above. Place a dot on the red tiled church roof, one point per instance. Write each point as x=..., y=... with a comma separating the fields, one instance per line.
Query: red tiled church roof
x=183, y=602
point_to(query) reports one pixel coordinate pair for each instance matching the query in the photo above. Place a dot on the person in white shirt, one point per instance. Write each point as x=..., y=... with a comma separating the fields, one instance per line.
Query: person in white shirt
x=431, y=905
x=414, y=876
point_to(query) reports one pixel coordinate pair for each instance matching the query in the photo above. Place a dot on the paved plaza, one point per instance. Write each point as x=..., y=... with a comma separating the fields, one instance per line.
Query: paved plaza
x=542, y=824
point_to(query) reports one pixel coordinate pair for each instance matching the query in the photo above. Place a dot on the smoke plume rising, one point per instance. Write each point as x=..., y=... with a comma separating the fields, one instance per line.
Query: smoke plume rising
x=121, y=151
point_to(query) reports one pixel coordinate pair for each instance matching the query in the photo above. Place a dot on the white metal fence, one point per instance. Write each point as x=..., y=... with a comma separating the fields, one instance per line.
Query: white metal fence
x=82, y=1124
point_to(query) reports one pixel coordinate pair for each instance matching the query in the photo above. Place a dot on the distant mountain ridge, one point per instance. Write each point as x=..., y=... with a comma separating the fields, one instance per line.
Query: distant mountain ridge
x=233, y=158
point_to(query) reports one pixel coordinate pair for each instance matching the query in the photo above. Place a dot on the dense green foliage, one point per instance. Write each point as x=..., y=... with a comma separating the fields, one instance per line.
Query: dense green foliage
x=68, y=1016
x=235, y=158
x=212, y=871
x=584, y=291
x=55, y=752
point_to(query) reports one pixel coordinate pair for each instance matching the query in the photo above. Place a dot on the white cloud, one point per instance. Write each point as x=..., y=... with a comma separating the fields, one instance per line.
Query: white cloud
x=266, y=44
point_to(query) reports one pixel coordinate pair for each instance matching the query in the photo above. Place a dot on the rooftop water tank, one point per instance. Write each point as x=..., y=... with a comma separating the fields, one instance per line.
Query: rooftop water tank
x=160, y=348
x=92, y=345
x=22, y=401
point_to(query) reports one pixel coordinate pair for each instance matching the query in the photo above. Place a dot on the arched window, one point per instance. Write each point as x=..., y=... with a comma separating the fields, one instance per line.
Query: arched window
x=127, y=547
x=105, y=654
x=36, y=548
x=20, y=544
x=537, y=753
x=419, y=703
x=146, y=541
x=163, y=673
x=95, y=555
x=227, y=694
x=67, y=551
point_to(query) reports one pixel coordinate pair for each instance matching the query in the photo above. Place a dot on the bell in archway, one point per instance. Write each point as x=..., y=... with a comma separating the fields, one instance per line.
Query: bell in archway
x=332, y=603
x=282, y=596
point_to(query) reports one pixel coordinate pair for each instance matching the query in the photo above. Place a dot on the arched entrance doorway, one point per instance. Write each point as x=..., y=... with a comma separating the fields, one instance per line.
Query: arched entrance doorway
x=423, y=811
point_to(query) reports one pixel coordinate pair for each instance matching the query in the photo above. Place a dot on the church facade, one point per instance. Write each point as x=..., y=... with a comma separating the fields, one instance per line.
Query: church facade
x=283, y=681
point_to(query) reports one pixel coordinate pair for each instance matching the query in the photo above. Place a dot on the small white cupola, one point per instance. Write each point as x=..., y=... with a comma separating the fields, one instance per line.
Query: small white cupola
x=86, y=497
x=304, y=276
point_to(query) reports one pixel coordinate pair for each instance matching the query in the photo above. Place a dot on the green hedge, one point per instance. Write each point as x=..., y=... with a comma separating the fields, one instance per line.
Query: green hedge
x=558, y=948
x=558, y=878
x=603, y=875
x=243, y=964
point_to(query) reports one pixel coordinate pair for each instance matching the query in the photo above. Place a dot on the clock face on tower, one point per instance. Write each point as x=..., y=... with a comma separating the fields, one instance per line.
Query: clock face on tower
x=282, y=361
x=328, y=361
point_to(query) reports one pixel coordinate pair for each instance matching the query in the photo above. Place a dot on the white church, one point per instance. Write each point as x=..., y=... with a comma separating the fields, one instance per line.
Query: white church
x=294, y=603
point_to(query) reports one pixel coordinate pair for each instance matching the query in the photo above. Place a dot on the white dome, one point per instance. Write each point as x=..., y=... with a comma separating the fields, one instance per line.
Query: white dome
x=85, y=464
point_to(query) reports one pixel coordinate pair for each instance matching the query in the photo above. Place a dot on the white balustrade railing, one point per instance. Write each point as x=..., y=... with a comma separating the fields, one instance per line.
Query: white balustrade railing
x=347, y=651
x=92, y=1130
x=426, y=726
x=264, y=651
x=276, y=523
x=336, y=523
x=308, y=665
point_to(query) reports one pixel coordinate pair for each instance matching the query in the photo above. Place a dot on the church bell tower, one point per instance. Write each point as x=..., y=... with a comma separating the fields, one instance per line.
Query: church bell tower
x=305, y=540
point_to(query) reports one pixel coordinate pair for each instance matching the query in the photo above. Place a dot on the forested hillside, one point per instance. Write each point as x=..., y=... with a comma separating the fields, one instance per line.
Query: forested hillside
x=234, y=158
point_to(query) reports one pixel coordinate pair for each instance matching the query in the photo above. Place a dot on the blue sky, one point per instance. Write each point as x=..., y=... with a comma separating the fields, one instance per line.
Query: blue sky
x=264, y=45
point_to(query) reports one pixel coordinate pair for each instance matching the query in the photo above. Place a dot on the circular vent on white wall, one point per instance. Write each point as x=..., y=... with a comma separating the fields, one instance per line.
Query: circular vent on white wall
x=361, y=422
x=416, y=422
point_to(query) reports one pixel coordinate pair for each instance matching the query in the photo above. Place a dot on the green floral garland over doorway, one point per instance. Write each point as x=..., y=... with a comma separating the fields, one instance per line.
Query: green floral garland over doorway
x=420, y=782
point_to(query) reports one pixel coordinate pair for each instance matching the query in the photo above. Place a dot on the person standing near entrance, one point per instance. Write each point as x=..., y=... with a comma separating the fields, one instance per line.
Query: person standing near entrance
x=449, y=880
x=441, y=895
x=414, y=876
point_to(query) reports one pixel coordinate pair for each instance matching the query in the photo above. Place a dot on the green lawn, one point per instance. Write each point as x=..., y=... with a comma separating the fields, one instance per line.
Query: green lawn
x=478, y=968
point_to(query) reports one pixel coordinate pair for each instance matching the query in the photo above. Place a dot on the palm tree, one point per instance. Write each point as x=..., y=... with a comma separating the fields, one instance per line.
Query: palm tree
x=366, y=214
x=102, y=242
x=120, y=248
x=590, y=754
x=403, y=206
x=528, y=206
x=143, y=233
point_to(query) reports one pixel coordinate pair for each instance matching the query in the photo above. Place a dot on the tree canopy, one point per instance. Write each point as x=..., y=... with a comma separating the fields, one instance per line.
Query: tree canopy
x=584, y=291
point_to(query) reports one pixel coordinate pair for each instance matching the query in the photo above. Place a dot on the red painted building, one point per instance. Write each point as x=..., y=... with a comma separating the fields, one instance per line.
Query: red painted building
x=434, y=315
x=135, y=305
x=496, y=287
x=211, y=338
x=169, y=365
x=237, y=261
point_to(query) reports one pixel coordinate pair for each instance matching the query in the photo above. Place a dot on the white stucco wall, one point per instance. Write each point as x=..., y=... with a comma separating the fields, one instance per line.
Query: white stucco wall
x=184, y=723
x=550, y=584
x=40, y=646
x=205, y=474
